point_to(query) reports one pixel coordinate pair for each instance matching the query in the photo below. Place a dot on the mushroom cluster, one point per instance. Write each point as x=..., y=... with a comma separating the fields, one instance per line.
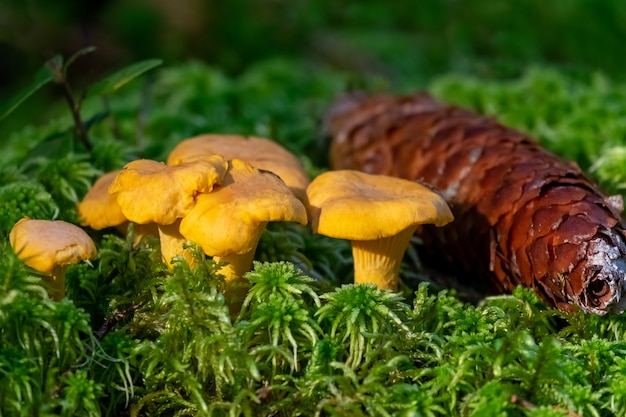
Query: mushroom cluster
x=220, y=191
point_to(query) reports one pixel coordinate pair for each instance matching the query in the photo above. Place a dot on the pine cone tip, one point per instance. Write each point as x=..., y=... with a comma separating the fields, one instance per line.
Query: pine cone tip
x=605, y=291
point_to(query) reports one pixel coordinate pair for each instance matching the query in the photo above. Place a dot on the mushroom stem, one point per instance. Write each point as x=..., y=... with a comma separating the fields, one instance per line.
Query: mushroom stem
x=236, y=265
x=378, y=261
x=56, y=282
x=239, y=264
x=236, y=287
x=172, y=244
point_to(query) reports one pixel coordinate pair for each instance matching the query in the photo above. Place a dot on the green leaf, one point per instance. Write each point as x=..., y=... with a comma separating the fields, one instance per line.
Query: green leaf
x=43, y=77
x=54, y=146
x=114, y=81
x=78, y=54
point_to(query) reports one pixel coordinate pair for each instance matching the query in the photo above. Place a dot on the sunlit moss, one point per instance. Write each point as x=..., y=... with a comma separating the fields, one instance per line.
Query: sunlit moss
x=134, y=337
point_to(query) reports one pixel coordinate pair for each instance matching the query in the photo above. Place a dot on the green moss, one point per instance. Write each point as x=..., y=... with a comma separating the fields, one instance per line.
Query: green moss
x=135, y=337
x=24, y=199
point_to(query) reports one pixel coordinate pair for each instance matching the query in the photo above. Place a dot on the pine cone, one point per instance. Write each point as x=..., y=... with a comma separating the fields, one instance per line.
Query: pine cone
x=523, y=216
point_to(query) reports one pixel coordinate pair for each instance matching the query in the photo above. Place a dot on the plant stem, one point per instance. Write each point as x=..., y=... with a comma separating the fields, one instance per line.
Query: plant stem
x=79, y=127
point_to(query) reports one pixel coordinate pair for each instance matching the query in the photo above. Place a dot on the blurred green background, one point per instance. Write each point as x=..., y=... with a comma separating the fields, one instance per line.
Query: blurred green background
x=394, y=38
x=405, y=42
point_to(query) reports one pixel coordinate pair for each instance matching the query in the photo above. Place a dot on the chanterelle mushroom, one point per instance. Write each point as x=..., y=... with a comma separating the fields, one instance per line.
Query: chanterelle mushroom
x=99, y=209
x=259, y=152
x=378, y=214
x=228, y=222
x=49, y=246
x=152, y=192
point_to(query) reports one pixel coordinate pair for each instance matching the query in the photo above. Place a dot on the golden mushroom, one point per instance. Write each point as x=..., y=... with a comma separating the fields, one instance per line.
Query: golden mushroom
x=99, y=209
x=261, y=153
x=49, y=246
x=378, y=214
x=152, y=192
x=228, y=223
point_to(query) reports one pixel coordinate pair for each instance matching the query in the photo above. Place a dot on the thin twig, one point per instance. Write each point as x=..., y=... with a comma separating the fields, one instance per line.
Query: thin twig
x=110, y=322
x=79, y=127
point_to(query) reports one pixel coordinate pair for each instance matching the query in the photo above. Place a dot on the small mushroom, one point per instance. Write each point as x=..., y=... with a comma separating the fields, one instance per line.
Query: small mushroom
x=152, y=192
x=228, y=223
x=259, y=152
x=49, y=246
x=100, y=210
x=378, y=214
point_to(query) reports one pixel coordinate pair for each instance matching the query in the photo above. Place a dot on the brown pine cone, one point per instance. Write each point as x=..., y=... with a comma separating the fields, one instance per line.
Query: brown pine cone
x=523, y=216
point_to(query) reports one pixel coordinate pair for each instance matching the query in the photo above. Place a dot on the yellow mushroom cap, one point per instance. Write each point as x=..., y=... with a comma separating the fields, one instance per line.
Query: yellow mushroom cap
x=46, y=244
x=99, y=209
x=354, y=205
x=152, y=192
x=259, y=152
x=231, y=219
